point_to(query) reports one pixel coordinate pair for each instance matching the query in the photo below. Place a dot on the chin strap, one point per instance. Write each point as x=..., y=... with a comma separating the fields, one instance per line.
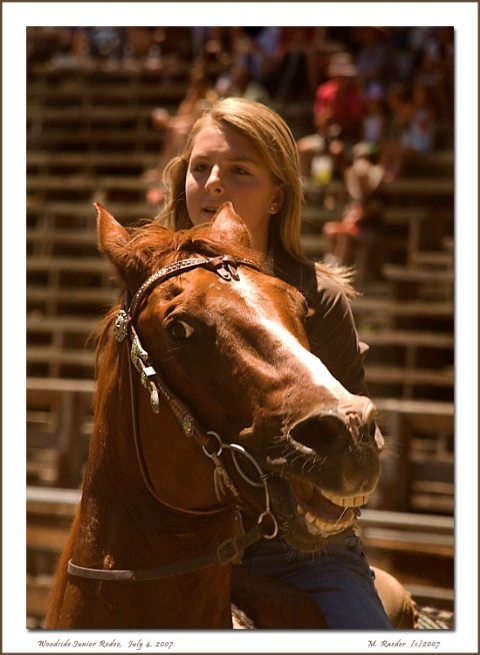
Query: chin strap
x=228, y=552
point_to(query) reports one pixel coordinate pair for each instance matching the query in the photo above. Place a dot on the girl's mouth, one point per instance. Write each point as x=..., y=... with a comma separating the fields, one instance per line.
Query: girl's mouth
x=210, y=211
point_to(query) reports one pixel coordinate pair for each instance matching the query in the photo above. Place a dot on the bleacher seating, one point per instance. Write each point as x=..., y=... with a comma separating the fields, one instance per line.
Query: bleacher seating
x=59, y=421
x=418, y=467
x=89, y=138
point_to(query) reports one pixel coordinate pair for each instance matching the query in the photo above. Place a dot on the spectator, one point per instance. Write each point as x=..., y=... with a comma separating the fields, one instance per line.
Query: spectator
x=362, y=178
x=372, y=58
x=238, y=82
x=199, y=96
x=414, y=128
x=221, y=43
x=374, y=115
x=419, y=133
x=257, y=50
x=434, y=68
x=295, y=56
x=103, y=43
x=361, y=213
x=250, y=47
x=338, y=113
x=401, y=54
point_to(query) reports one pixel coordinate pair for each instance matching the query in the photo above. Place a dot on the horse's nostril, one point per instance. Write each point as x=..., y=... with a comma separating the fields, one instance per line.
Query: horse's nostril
x=367, y=431
x=318, y=429
x=370, y=432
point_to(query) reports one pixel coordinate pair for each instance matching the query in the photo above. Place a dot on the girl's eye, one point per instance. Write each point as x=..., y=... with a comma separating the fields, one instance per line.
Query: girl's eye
x=180, y=330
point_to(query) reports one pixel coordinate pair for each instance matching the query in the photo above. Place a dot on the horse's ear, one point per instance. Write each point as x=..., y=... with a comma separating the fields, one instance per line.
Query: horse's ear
x=112, y=241
x=112, y=237
x=230, y=226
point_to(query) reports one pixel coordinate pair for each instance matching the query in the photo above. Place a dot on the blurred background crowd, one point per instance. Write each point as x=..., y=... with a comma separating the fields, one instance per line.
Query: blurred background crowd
x=398, y=72
x=378, y=97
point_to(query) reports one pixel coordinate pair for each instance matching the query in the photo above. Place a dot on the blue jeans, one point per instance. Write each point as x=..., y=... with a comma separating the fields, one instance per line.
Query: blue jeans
x=337, y=576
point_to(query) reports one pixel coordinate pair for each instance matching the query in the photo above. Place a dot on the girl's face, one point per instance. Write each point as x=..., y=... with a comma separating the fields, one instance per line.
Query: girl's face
x=225, y=166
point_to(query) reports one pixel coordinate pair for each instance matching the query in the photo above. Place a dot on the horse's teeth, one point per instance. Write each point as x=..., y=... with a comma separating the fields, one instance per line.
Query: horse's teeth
x=356, y=501
x=347, y=501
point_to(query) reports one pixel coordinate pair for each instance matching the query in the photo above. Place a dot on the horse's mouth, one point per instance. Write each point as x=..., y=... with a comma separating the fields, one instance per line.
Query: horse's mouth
x=309, y=516
x=316, y=495
x=325, y=514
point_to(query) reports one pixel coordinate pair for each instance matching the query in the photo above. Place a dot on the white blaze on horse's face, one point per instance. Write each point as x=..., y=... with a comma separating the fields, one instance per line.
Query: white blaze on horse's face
x=320, y=441
x=321, y=392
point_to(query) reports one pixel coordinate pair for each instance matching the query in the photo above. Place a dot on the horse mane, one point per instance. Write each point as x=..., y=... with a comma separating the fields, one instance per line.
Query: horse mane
x=153, y=242
x=60, y=578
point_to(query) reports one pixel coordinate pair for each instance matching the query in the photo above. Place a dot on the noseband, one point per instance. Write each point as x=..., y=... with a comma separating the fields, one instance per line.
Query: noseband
x=213, y=447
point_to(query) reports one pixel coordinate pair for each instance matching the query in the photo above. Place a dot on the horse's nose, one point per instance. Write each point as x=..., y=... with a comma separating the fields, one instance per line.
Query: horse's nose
x=359, y=414
x=368, y=432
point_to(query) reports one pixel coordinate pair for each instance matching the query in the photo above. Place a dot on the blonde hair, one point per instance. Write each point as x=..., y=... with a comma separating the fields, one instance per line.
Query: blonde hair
x=270, y=135
x=273, y=139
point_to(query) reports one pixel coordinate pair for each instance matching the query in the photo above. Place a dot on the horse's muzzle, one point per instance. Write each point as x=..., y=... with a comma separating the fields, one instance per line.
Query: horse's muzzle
x=340, y=455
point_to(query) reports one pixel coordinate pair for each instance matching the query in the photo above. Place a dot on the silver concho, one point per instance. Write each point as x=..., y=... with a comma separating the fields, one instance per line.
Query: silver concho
x=120, y=327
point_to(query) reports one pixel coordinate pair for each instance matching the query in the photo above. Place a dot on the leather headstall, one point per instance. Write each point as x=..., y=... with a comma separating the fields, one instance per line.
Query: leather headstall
x=226, y=267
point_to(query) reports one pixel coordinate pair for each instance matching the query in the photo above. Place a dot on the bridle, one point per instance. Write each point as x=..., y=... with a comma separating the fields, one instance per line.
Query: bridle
x=212, y=445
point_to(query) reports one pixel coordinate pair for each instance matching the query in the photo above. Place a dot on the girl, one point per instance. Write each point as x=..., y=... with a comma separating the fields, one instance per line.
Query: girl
x=243, y=152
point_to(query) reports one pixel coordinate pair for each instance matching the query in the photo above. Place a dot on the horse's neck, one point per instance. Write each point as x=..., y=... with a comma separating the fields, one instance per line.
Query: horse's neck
x=116, y=532
x=200, y=599
x=117, y=486
x=122, y=525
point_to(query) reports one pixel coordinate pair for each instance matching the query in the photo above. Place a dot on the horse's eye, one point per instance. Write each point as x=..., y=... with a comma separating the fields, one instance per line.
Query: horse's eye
x=180, y=330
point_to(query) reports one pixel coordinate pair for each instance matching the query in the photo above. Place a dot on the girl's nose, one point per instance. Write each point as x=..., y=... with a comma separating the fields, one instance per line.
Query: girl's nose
x=214, y=183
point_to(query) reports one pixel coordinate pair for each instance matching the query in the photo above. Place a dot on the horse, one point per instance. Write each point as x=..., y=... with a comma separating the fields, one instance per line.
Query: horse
x=207, y=401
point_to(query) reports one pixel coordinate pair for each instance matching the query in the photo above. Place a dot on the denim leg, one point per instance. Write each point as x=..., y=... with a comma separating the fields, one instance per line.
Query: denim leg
x=338, y=577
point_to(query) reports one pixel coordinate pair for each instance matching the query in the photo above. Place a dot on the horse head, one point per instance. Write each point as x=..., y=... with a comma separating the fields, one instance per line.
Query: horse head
x=279, y=435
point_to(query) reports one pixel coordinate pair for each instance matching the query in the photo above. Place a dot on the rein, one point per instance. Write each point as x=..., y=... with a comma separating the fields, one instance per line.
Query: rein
x=230, y=550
